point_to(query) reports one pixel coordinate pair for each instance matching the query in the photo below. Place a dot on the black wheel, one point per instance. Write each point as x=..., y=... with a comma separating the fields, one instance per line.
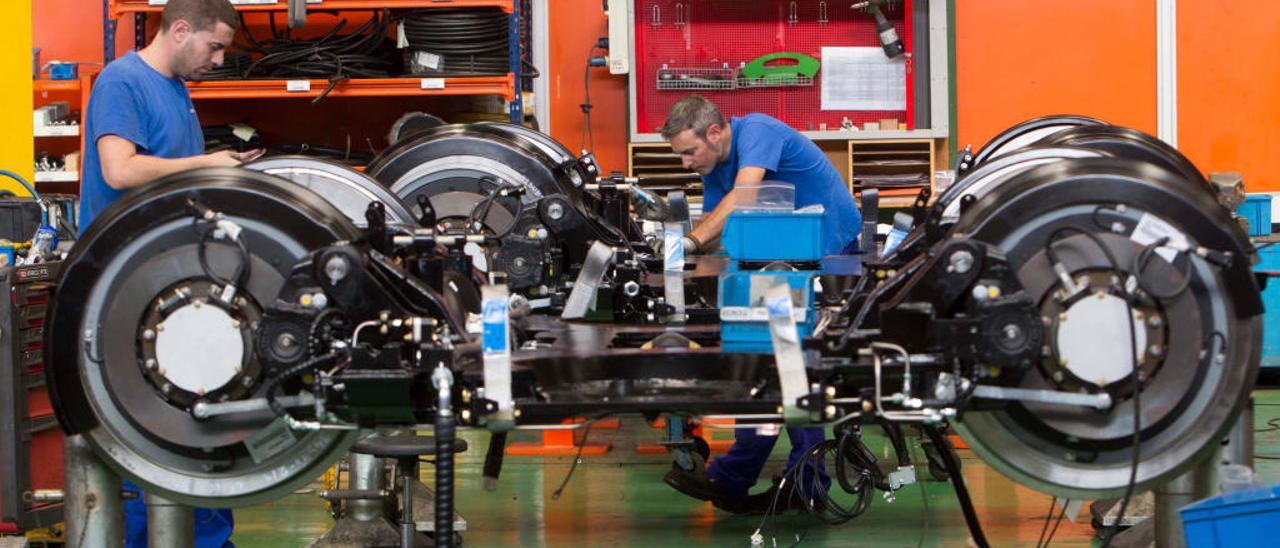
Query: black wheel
x=138, y=336
x=1030, y=132
x=1197, y=349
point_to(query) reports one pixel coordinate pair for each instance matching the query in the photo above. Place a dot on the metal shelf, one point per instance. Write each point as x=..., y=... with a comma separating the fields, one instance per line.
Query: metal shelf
x=57, y=176
x=117, y=8
x=56, y=85
x=507, y=86
x=57, y=131
x=372, y=87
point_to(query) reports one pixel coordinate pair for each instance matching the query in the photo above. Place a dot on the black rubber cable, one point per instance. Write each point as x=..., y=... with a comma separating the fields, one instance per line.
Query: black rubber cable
x=962, y=491
x=468, y=41
x=444, y=433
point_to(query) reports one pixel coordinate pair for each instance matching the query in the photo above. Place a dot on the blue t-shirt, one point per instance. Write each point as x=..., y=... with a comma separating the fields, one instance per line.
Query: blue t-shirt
x=764, y=142
x=131, y=100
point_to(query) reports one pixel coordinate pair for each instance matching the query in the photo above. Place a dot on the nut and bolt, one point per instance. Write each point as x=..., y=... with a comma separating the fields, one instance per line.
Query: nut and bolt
x=960, y=262
x=555, y=211
x=337, y=268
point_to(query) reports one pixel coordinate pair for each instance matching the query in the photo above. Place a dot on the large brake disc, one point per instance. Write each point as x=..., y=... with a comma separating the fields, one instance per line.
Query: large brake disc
x=347, y=189
x=1030, y=132
x=994, y=172
x=456, y=166
x=1197, y=349
x=138, y=337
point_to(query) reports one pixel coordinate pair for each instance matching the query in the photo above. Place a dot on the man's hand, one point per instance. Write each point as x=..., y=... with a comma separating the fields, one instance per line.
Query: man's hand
x=230, y=158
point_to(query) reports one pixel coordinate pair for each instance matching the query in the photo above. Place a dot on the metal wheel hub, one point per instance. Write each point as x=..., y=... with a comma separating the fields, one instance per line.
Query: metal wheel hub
x=1083, y=329
x=194, y=346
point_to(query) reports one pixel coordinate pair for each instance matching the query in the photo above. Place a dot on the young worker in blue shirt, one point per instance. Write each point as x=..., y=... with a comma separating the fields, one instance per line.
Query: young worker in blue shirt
x=141, y=125
x=728, y=153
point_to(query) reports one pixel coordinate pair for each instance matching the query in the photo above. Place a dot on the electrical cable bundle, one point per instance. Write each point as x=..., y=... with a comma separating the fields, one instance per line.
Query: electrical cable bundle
x=457, y=41
x=364, y=53
x=234, y=64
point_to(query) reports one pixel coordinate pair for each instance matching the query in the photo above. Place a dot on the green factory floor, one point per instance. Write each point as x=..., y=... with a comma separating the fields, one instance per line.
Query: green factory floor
x=619, y=499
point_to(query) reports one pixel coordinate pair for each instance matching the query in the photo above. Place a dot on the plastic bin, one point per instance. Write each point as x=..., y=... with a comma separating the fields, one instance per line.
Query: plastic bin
x=1257, y=209
x=1243, y=518
x=773, y=236
x=1271, y=304
x=736, y=293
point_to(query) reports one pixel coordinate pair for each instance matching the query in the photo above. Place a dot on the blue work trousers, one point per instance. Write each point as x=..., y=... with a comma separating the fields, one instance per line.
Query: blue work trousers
x=212, y=526
x=738, y=470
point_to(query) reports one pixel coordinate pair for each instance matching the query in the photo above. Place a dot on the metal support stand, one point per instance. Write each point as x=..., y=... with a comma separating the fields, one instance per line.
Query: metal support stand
x=367, y=474
x=94, y=510
x=1202, y=481
x=169, y=524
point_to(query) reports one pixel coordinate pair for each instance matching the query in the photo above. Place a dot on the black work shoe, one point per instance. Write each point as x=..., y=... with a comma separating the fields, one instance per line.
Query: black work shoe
x=701, y=487
x=787, y=500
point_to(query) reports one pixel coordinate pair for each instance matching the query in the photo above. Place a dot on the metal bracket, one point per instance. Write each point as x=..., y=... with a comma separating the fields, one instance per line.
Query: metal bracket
x=1101, y=400
x=297, y=14
x=205, y=410
x=673, y=269
x=496, y=346
x=583, y=296
x=787, y=354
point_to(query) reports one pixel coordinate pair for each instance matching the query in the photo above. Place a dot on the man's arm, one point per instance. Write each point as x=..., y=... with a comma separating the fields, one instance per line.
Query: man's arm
x=707, y=233
x=123, y=167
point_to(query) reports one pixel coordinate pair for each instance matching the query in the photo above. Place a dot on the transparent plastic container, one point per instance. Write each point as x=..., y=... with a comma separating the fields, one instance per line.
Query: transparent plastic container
x=1237, y=477
x=765, y=197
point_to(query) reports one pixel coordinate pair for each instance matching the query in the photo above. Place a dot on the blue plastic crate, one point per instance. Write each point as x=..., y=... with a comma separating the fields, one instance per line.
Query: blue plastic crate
x=1271, y=304
x=773, y=236
x=1257, y=209
x=753, y=336
x=1242, y=518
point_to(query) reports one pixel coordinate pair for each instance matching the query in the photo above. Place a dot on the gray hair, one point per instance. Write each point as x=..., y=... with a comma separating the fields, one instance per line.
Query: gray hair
x=693, y=112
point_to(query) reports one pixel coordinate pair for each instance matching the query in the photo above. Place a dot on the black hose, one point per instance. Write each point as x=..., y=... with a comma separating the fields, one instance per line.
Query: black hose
x=493, y=459
x=273, y=384
x=952, y=463
x=466, y=41
x=366, y=52
x=444, y=432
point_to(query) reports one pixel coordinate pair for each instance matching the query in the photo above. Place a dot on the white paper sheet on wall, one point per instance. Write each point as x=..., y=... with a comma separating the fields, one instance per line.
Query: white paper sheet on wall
x=862, y=79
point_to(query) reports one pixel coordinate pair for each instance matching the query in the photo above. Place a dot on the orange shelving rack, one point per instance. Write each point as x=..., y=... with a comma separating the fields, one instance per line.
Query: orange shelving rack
x=505, y=86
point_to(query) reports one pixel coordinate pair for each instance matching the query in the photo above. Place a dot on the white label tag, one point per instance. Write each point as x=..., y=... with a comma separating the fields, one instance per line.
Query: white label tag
x=495, y=345
x=1151, y=228
x=402, y=41
x=297, y=85
x=428, y=60
x=754, y=314
x=433, y=83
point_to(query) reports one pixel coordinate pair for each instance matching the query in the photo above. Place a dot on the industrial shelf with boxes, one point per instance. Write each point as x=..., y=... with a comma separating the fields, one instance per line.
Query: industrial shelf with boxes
x=819, y=66
x=280, y=86
x=57, y=119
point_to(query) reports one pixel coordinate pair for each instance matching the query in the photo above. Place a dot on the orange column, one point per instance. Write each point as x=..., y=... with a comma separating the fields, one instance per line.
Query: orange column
x=1228, y=88
x=574, y=26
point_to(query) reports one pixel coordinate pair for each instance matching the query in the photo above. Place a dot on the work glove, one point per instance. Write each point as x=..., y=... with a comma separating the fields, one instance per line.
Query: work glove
x=647, y=205
x=659, y=245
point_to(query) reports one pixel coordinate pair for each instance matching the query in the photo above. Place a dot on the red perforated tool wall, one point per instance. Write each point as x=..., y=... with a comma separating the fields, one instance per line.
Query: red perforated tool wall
x=703, y=35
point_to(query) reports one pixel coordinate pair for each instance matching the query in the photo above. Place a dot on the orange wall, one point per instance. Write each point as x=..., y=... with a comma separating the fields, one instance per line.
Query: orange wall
x=574, y=27
x=71, y=30
x=1229, y=88
x=1017, y=59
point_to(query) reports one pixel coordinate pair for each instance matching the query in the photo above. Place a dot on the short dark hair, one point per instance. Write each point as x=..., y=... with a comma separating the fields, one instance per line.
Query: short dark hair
x=202, y=14
x=693, y=112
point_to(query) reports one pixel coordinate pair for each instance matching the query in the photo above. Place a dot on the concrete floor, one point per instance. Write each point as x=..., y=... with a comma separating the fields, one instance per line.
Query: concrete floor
x=619, y=499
